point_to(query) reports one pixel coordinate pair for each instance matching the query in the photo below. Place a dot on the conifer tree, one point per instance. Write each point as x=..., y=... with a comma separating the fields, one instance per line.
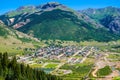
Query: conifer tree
x=12, y=70
x=22, y=69
x=1, y=70
x=13, y=63
x=0, y=56
x=17, y=72
x=5, y=60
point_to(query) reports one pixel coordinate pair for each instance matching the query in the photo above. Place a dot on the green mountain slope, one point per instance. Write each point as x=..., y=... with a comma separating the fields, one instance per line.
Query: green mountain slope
x=64, y=25
x=15, y=42
x=56, y=21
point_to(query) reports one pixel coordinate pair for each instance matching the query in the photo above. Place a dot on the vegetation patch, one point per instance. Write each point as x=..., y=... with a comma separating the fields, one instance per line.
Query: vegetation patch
x=78, y=71
x=104, y=71
x=114, y=56
x=116, y=78
x=36, y=65
x=51, y=65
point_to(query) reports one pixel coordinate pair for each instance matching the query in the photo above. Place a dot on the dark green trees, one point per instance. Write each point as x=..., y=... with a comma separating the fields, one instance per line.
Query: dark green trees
x=10, y=69
x=4, y=61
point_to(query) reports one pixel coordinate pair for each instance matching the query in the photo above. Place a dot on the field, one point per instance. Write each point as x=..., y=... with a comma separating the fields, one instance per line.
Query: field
x=116, y=78
x=114, y=56
x=36, y=65
x=51, y=65
x=79, y=70
x=15, y=46
x=1, y=78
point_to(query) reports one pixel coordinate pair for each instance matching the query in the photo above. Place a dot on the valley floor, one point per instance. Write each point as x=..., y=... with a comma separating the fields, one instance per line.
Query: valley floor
x=75, y=62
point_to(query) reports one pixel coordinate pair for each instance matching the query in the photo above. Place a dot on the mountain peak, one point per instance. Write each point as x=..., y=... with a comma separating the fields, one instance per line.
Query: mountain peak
x=50, y=5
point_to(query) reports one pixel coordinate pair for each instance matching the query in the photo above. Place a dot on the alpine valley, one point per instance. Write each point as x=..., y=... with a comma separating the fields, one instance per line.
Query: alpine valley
x=66, y=44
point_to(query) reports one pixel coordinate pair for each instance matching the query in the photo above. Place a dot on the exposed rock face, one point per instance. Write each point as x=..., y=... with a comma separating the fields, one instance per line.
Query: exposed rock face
x=112, y=22
x=115, y=25
x=49, y=5
x=109, y=17
x=1, y=22
x=20, y=24
x=17, y=18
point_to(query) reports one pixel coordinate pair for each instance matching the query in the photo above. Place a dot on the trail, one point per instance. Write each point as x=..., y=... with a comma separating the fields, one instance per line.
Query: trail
x=94, y=72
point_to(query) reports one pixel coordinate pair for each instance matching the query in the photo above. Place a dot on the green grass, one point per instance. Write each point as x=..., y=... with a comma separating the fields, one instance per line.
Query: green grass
x=104, y=71
x=114, y=56
x=14, y=42
x=45, y=60
x=112, y=46
x=51, y=65
x=116, y=78
x=36, y=65
x=1, y=78
x=3, y=31
x=79, y=70
x=13, y=46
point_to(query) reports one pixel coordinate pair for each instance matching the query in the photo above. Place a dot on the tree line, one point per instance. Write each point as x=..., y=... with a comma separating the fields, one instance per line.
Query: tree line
x=10, y=69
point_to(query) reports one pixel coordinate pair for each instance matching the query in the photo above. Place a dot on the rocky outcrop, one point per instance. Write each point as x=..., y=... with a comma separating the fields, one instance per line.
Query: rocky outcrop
x=20, y=24
x=112, y=22
x=109, y=17
x=49, y=5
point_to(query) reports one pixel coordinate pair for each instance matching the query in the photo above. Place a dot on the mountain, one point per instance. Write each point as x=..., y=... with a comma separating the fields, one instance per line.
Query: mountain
x=56, y=21
x=17, y=18
x=109, y=17
x=32, y=9
x=15, y=42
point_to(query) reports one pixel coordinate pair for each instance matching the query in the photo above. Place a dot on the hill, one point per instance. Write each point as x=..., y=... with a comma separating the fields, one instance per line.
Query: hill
x=64, y=25
x=15, y=42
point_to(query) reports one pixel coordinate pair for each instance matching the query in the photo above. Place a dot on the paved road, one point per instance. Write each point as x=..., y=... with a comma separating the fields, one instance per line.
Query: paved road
x=24, y=58
x=86, y=55
x=76, y=54
x=63, y=63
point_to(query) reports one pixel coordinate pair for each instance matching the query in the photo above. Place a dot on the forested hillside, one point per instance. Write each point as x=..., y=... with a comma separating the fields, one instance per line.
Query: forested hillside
x=64, y=25
x=11, y=70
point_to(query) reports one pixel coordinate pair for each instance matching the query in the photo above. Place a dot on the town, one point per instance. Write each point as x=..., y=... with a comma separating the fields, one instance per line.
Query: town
x=62, y=55
x=54, y=59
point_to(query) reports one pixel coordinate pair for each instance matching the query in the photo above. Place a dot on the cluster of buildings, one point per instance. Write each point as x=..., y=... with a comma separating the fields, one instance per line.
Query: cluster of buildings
x=53, y=52
x=71, y=54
